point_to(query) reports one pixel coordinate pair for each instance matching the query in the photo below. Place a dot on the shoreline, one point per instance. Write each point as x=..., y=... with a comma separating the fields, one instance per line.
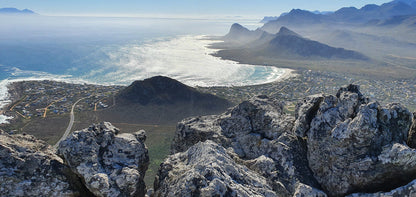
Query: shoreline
x=289, y=73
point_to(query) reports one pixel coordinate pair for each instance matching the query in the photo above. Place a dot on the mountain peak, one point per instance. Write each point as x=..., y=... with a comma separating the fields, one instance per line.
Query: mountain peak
x=238, y=29
x=240, y=34
x=162, y=90
x=285, y=31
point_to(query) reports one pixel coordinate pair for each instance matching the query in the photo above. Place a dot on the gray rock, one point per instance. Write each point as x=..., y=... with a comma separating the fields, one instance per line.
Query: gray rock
x=411, y=141
x=355, y=146
x=110, y=164
x=206, y=169
x=259, y=132
x=408, y=190
x=193, y=130
x=304, y=112
x=29, y=167
x=303, y=190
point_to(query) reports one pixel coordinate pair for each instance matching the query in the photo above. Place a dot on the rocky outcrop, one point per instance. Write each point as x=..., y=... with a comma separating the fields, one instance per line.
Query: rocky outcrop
x=206, y=169
x=356, y=145
x=335, y=145
x=109, y=163
x=260, y=134
x=29, y=167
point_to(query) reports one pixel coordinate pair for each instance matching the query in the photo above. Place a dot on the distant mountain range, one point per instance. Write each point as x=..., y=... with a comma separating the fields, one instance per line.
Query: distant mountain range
x=370, y=41
x=267, y=19
x=365, y=15
x=285, y=44
x=15, y=11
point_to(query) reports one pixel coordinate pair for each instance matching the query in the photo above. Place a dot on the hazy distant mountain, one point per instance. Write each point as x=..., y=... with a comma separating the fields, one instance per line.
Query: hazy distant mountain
x=371, y=12
x=288, y=45
x=267, y=19
x=238, y=33
x=409, y=21
x=364, y=15
x=15, y=11
x=409, y=2
x=300, y=16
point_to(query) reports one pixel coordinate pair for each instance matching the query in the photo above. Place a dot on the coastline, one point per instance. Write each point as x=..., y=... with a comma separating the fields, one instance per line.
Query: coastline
x=217, y=45
x=288, y=73
x=242, y=74
x=5, y=100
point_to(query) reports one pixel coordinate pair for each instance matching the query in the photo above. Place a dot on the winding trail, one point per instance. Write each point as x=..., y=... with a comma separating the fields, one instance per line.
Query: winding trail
x=71, y=123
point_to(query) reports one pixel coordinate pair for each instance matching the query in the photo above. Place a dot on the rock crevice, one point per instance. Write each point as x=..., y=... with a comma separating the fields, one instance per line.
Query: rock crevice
x=334, y=145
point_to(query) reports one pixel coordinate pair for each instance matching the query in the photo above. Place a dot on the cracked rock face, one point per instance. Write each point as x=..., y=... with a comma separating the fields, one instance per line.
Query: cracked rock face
x=258, y=133
x=354, y=145
x=335, y=145
x=110, y=164
x=29, y=167
x=206, y=169
x=411, y=141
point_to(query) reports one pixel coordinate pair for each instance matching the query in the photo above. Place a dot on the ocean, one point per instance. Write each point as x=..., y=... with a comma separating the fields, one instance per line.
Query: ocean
x=119, y=50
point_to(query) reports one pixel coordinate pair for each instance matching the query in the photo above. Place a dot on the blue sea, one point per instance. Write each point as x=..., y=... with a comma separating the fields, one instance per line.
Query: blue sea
x=119, y=50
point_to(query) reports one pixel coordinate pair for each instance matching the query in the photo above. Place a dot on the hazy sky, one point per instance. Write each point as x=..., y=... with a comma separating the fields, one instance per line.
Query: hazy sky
x=179, y=7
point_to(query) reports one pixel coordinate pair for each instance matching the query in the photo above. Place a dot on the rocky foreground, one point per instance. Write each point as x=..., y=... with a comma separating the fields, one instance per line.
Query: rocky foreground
x=334, y=145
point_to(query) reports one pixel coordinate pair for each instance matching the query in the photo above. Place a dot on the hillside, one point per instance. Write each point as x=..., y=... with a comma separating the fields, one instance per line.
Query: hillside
x=161, y=90
x=161, y=100
x=287, y=43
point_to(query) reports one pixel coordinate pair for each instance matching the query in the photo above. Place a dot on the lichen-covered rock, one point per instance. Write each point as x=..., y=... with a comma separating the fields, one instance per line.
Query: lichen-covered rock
x=259, y=132
x=110, y=164
x=29, y=167
x=206, y=169
x=354, y=145
x=408, y=190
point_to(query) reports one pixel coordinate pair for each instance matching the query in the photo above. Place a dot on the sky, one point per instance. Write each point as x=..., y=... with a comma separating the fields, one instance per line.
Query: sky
x=180, y=7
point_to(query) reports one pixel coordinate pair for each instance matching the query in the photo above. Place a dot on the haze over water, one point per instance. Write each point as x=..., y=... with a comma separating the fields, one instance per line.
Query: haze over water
x=120, y=50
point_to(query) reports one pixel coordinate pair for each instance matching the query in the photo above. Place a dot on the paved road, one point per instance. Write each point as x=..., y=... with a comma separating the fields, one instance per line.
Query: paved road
x=71, y=123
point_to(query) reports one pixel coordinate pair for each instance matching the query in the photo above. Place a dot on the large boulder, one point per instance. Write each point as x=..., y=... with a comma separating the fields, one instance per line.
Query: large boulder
x=29, y=167
x=260, y=134
x=109, y=163
x=206, y=169
x=355, y=145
